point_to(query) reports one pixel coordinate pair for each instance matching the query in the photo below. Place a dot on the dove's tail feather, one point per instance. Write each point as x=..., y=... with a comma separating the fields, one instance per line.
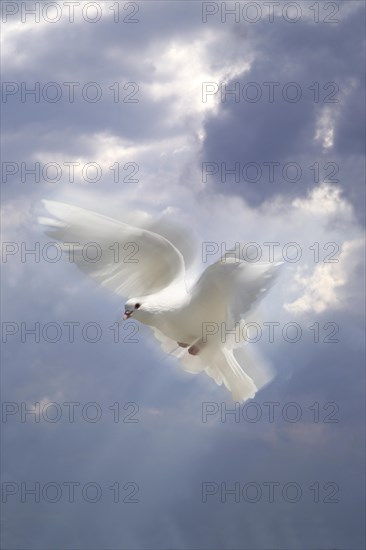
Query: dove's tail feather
x=218, y=362
x=224, y=368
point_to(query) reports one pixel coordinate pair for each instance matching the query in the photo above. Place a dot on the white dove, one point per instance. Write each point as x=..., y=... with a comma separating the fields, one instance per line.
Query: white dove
x=201, y=325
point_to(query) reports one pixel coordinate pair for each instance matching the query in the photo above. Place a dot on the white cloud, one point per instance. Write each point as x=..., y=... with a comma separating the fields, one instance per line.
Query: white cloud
x=328, y=287
x=325, y=129
x=182, y=67
x=324, y=201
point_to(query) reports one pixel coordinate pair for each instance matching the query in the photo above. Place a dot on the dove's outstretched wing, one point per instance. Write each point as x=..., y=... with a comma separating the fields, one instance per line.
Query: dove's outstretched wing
x=237, y=286
x=128, y=260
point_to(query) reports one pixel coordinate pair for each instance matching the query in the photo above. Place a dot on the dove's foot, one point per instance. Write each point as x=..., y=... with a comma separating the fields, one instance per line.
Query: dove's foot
x=182, y=344
x=194, y=350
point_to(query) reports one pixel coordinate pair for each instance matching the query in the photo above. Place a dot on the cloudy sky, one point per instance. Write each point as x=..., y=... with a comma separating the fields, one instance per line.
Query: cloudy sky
x=245, y=123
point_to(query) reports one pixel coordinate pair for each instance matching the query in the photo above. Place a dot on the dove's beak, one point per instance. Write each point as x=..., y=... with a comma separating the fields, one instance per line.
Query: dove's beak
x=127, y=315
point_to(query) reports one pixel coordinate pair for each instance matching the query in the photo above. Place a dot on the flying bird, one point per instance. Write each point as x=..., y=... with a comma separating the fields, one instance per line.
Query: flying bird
x=201, y=325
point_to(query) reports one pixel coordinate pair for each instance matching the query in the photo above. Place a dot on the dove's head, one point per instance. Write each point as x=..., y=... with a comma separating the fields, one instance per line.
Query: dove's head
x=146, y=309
x=131, y=307
x=139, y=308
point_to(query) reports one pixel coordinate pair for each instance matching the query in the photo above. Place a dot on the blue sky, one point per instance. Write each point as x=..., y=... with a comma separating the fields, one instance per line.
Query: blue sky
x=176, y=146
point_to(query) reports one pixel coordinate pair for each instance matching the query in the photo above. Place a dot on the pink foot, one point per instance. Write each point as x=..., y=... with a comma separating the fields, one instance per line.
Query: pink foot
x=194, y=350
x=182, y=344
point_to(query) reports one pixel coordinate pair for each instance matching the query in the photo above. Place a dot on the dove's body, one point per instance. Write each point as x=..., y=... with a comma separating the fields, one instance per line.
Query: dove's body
x=183, y=319
x=204, y=318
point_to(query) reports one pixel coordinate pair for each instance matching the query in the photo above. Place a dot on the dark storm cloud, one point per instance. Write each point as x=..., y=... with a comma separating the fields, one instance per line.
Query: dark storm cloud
x=284, y=131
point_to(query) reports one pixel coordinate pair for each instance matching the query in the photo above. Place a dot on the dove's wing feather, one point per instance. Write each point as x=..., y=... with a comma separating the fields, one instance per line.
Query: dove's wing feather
x=129, y=260
x=236, y=285
x=180, y=236
x=168, y=226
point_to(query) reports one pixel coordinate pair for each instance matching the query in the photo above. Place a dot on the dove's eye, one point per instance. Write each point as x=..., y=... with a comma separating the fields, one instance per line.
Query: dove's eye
x=137, y=305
